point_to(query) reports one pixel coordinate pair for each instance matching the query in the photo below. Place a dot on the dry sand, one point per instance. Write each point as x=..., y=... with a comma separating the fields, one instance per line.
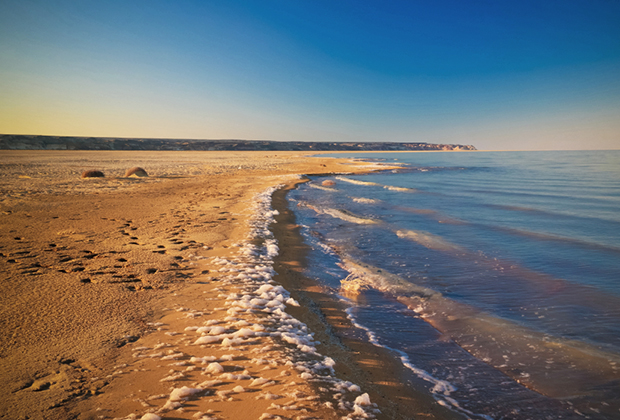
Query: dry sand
x=105, y=282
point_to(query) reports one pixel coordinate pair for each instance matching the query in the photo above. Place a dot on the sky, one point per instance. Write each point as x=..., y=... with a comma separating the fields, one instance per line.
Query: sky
x=497, y=74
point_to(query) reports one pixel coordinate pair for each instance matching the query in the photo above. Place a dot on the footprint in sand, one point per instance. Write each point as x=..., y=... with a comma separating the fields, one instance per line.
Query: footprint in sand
x=89, y=254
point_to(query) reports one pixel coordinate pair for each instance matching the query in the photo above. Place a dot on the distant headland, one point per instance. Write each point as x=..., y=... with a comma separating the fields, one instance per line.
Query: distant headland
x=32, y=142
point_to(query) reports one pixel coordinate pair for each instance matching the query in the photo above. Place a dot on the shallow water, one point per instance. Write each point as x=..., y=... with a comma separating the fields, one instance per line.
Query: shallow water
x=495, y=272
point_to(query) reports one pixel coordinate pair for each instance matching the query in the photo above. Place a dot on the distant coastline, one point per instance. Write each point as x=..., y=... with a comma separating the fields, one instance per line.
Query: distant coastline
x=36, y=142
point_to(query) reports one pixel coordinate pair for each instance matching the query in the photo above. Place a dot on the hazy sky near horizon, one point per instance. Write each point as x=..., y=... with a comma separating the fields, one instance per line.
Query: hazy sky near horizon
x=497, y=74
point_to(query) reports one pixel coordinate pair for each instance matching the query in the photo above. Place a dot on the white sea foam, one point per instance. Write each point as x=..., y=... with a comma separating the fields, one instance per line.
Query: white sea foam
x=181, y=393
x=258, y=310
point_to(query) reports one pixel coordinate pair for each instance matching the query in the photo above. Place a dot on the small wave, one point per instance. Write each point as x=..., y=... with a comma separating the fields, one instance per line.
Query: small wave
x=429, y=240
x=365, y=200
x=555, y=367
x=517, y=208
x=540, y=236
x=416, y=211
x=320, y=187
x=355, y=181
x=374, y=184
x=349, y=217
x=434, y=214
x=441, y=387
x=364, y=276
x=401, y=189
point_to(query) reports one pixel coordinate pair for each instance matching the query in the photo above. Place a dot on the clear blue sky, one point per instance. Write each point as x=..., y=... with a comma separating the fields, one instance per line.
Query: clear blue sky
x=496, y=74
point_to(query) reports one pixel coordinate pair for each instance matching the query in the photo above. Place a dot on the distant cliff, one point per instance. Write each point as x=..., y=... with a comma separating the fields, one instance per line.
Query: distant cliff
x=25, y=142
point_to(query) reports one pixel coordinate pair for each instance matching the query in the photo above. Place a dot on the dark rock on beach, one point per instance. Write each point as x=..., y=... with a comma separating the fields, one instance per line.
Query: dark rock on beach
x=92, y=174
x=136, y=172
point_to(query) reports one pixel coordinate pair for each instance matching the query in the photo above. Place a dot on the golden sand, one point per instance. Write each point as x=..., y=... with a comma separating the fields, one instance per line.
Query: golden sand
x=105, y=282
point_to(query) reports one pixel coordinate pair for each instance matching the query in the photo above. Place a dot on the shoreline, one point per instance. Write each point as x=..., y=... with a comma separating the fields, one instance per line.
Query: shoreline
x=378, y=371
x=122, y=267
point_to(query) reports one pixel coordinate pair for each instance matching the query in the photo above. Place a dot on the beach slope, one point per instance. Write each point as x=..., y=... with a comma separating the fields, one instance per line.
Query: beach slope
x=160, y=295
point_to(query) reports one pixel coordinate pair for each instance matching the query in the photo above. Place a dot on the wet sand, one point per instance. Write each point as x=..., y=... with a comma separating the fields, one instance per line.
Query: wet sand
x=106, y=282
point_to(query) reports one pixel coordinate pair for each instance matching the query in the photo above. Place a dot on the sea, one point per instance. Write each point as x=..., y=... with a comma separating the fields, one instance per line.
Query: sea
x=494, y=277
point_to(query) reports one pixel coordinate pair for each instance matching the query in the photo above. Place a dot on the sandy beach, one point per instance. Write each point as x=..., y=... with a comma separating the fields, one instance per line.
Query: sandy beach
x=179, y=295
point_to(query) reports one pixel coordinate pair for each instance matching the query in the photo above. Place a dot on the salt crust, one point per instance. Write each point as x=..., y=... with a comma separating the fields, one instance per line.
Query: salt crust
x=256, y=312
